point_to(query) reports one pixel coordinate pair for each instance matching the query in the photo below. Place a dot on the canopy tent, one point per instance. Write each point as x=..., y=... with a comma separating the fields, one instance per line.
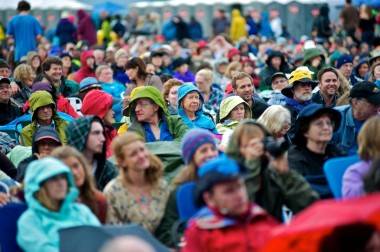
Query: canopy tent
x=296, y=15
x=226, y=2
x=109, y=7
x=48, y=5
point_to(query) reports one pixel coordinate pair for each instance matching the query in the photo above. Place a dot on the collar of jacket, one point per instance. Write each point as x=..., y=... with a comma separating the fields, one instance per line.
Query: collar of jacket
x=207, y=218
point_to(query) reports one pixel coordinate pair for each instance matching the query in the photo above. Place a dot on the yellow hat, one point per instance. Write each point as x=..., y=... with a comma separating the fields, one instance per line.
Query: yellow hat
x=302, y=74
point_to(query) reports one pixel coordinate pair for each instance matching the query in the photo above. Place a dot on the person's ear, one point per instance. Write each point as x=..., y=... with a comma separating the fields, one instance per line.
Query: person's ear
x=208, y=199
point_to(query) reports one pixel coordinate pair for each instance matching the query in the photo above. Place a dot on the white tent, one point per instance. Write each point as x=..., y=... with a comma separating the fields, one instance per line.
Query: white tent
x=47, y=5
x=213, y=2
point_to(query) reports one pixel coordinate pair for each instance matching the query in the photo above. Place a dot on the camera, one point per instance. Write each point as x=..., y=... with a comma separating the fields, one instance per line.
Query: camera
x=276, y=148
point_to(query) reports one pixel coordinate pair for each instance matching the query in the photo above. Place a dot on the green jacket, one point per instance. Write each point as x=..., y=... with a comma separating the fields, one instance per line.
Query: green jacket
x=271, y=190
x=39, y=99
x=311, y=53
x=175, y=124
x=164, y=231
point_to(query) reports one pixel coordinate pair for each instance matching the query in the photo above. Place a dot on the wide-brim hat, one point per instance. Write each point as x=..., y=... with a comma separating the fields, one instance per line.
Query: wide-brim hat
x=302, y=75
x=309, y=113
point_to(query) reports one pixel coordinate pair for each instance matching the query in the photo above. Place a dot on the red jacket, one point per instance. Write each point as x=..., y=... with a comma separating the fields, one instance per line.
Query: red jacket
x=63, y=105
x=84, y=71
x=211, y=232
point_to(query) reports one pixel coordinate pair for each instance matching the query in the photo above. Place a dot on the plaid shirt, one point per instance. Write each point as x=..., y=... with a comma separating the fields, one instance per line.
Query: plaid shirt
x=213, y=103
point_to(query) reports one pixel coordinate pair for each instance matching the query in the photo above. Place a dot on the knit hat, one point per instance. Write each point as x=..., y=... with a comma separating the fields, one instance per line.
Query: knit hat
x=215, y=171
x=87, y=83
x=343, y=59
x=192, y=140
x=41, y=86
x=96, y=102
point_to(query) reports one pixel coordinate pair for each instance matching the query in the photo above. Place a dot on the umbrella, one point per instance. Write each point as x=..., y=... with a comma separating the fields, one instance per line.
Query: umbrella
x=307, y=229
x=90, y=238
x=109, y=7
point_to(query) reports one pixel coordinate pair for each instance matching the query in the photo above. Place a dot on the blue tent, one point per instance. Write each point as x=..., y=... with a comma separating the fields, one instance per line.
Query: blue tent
x=109, y=7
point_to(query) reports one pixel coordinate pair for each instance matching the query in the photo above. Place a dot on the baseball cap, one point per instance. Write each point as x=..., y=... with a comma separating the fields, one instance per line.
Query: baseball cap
x=367, y=90
x=5, y=80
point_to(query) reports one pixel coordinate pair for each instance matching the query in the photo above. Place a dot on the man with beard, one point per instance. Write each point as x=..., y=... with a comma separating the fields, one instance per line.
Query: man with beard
x=328, y=87
x=242, y=84
x=364, y=103
x=299, y=92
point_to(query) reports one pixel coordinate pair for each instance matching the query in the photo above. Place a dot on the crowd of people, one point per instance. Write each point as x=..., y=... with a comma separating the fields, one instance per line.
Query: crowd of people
x=90, y=118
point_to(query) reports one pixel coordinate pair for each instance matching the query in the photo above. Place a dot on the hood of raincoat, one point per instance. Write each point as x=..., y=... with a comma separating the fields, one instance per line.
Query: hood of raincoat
x=149, y=92
x=40, y=171
x=228, y=104
x=39, y=99
x=312, y=53
x=185, y=89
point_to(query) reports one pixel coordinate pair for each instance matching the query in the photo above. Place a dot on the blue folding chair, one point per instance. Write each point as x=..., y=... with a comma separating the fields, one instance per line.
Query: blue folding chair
x=186, y=201
x=9, y=215
x=334, y=169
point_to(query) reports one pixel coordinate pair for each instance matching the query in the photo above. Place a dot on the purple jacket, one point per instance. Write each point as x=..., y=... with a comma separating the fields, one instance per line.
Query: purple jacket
x=187, y=77
x=353, y=179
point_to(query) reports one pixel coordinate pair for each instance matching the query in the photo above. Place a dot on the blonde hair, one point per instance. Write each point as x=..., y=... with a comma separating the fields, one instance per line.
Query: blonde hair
x=188, y=173
x=372, y=72
x=233, y=66
x=369, y=139
x=153, y=173
x=23, y=72
x=100, y=69
x=206, y=73
x=169, y=84
x=274, y=117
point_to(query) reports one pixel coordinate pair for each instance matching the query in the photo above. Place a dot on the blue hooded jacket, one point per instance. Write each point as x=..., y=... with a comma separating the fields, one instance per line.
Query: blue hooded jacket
x=202, y=121
x=38, y=227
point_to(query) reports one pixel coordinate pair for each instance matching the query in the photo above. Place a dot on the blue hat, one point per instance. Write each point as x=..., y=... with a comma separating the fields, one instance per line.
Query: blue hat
x=89, y=82
x=343, y=59
x=309, y=113
x=192, y=140
x=215, y=171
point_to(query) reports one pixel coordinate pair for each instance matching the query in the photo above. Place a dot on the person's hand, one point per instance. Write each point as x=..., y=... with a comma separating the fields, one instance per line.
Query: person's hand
x=14, y=88
x=4, y=199
x=280, y=164
x=253, y=150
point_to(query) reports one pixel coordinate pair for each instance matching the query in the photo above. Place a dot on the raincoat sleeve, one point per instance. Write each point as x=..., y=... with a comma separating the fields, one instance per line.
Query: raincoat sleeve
x=177, y=126
x=193, y=239
x=88, y=217
x=31, y=237
x=163, y=232
x=252, y=179
x=297, y=191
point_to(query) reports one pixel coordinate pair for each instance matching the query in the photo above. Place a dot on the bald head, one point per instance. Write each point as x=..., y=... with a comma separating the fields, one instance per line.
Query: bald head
x=127, y=244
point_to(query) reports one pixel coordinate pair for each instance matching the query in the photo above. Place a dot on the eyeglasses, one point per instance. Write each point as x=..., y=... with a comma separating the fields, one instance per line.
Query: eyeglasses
x=143, y=104
x=321, y=123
